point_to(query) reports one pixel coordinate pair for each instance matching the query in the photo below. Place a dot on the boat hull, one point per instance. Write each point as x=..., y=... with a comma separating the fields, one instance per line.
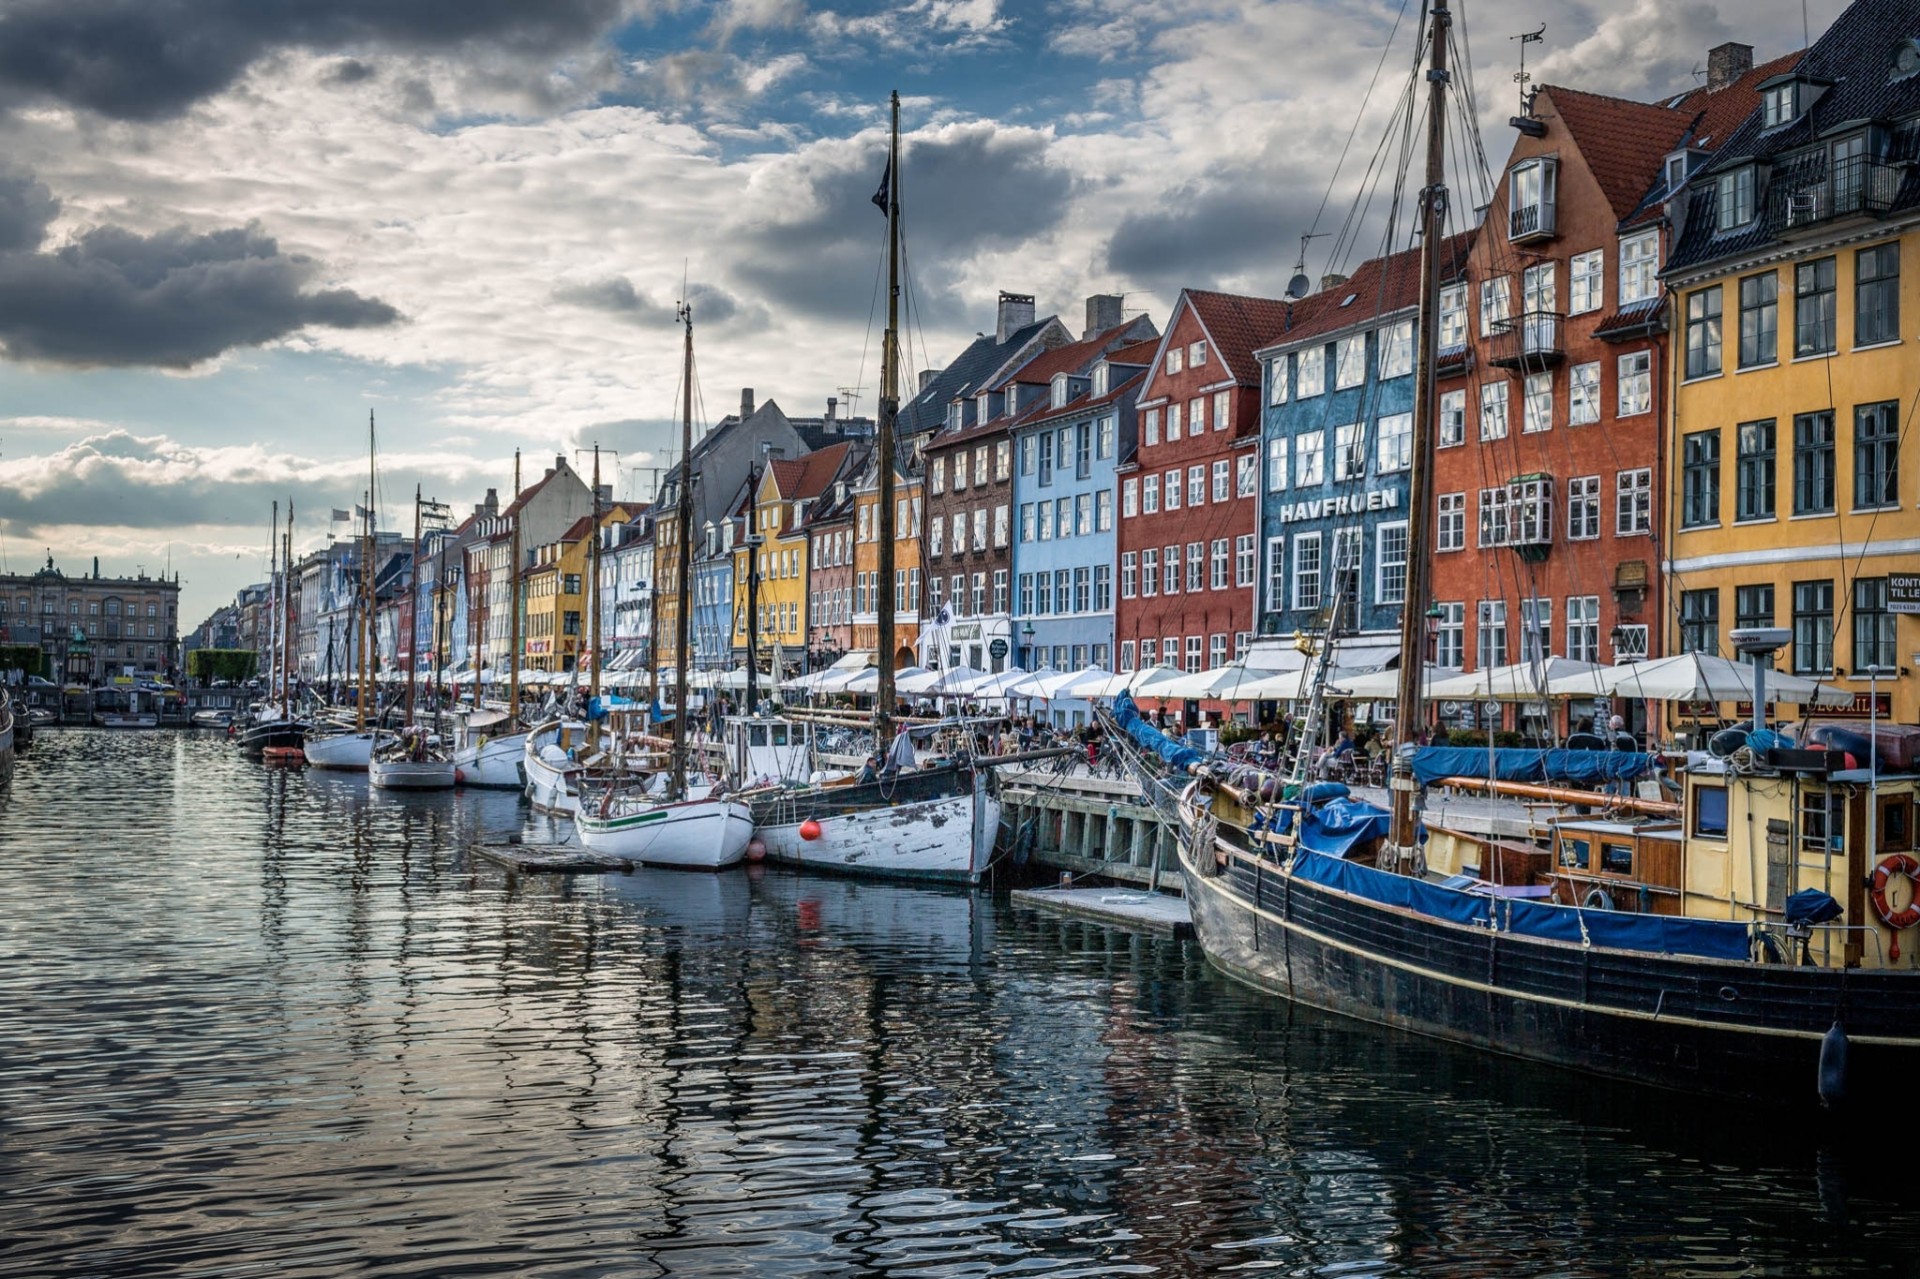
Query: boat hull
x=552, y=785
x=701, y=834
x=1748, y=1031
x=257, y=736
x=7, y=749
x=945, y=838
x=126, y=719
x=411, y=774
x=346, y=752
x=495, y=764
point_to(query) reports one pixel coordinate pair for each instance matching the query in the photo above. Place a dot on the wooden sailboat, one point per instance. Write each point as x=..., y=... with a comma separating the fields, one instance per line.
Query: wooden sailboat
x=630, y=815
x=336, y=746
x=274, y=724
x=414, y=759
x=490, y=745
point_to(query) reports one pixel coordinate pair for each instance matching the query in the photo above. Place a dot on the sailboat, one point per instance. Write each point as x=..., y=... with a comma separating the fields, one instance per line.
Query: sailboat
x=936, y=823
x=336, y=746
x=632, y=815
x=490, y=746
x=274, y=725
x=6, y=737
x=1687, y=962
x=413, y=759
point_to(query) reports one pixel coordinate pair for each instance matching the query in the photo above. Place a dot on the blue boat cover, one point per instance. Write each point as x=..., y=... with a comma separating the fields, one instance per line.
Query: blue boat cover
x=1177, y=754
x=1649, y=934
x=1431, y=763
x=597, y=707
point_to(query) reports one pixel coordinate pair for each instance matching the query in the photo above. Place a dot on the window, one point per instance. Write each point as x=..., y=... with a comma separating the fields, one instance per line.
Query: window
x=1243, y=564
x=1082, y=591
x=1171, y=558
x=1496, y=304
x=1083, y=451
x=1150, y=494
x=1196, y=567
x=1309, y=459
x=1583, y=628
x=1532, y=502
x=1496, y=516
x=1028, y=444
x=1700, y=478
x=1002, y=459
x=934, y=544
x=1083, y=514
x=938, y=474
x=1700, y=621
x=1453, y=419
x=1279, y=373
x=1490, y=635
x=960, y=470
x=1152, y=427
x=979, y=593
x=1063, y=512
x=1173, y=423
x=1531, y=199
x=1733, y=199
x=1639, y=267
x=1223, y=480
x=1754, y=471
x=1311, y=376
x=1585, y=283
x=1176, y=359
x=1045, y=467
x=980, y=464
x=1246, y=476
x=1222, y=410
x=1306, y=571
x=999, y=590
x=1812, y=627
x=1813, y=292
x=1276, y=574
x=1218, y=563
x=1493, y=410
x=1537, y=404
x=1633, y=503
x=1453, y=522
x=1635, y=383
x=1876, y=455
x=1536, y=629
x=1150, y=572
x=1129, y=575
x=1703, y=332
x=1350, y=361
x=1390, y=558
x=1396, y=349
x=1025, y=597
x=1777, y=105
x=1395, y=445
x=1126, y=656
x=1129, y=499
x=1197, y=485
x=1216, y=651
x=1045, y=510
x=1813, y=463
x=1876, y=295
x=1349, y=452
x=1583, y=508
x=1873, y=628
x=1173, y=490
x=1450, y=635
x=1148, y=652
x=1453, y=316
x=1103, y=437
x=1196, y=354
x=1759, y=320
x=980, y=529
x=1753, y=605
x=1193, y=654
x=1583, y=394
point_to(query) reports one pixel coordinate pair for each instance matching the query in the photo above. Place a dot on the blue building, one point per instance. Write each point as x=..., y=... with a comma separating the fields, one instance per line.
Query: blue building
x=1065, y=495
x=1336, y=462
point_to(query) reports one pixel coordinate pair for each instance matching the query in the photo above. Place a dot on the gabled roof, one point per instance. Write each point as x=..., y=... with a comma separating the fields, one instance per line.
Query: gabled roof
x=1082, y=403
x=1140, y=353
x=1717, y=113
x=1622, y=142
x=1238, y=326
x=1075, y=358
x=983, y=358
x=1377, y=287
x=815, y=471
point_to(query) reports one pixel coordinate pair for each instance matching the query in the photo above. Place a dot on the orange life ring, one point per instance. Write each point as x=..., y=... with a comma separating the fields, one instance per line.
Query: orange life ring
x=1907, y=916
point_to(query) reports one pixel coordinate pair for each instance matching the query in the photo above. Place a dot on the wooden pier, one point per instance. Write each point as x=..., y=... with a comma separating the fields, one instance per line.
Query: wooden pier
x=1090, y=826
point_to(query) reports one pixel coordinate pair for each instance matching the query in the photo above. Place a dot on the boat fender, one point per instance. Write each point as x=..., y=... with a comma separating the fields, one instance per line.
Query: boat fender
x=810, y=830
x=1907, y=916
x=1598, y=899
x=1833, y=1066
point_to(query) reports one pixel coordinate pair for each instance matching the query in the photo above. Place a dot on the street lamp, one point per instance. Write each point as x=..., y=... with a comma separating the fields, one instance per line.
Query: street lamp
x=1026, y=634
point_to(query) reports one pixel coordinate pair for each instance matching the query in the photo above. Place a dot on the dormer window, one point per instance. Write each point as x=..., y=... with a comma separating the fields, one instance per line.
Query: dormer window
x=1100, y=378
x=1733, y=206
x=1779, y=105
x=1061, y=390
x=1676, y=171
x=983, y=407
x=954, y=412
x=1531, y=193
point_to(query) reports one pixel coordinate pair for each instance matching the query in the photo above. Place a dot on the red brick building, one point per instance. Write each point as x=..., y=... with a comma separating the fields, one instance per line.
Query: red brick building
x=1554, y=363
x=1189, y=494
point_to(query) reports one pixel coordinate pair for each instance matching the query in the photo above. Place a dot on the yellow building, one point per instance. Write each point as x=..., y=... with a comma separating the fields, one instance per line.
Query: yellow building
x=557, y=625
x=1795, y=295
x=777, y=539
x=868, y=591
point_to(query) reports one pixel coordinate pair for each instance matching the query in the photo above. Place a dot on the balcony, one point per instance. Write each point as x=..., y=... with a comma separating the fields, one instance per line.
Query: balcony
x=1858, y=186
x=1530, y=341
x=1528, y=222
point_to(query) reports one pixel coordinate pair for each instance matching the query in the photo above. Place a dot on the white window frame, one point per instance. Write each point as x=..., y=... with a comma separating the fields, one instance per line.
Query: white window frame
x=1536, y=403
x=1310, y=374
x=1495, y=408
x=1633, y=503
x=1633, y=384
x=1452, y=426
x=1308, y=567
x=1350, y=362
x=1639, y=267
x=1309, y=459
x=1279, y=374
x=1586, y=281
x=1393, y=443
x=1396, y=349
x=1277, y=464
x=1349, y=452
x=1383, y=593
x=1451, y=532
x=1583, y=394
x=1583, y=508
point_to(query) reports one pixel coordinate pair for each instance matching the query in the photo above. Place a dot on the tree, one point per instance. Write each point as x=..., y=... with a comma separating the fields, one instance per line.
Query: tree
x=235, y=665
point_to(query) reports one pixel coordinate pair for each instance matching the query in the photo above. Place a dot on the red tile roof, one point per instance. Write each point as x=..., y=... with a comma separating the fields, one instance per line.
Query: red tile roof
x=1378, y=286
x=1622, y=142
x=1239, y=326
x=1720, y=111
x=1140, y=353
x=1071, y=358
x=817, y=470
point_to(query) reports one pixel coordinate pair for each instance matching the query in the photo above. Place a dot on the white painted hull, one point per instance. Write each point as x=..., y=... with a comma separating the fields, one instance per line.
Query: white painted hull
x=6, y=741
x=495, y=763
x=126, y=719
x=348, y=752
x=949, y=840
x=550, y=788
x=410, y=774
x=696, y=834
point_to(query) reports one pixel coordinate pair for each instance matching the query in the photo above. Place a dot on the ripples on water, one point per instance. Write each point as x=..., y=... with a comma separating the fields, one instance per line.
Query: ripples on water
x=265, y=1023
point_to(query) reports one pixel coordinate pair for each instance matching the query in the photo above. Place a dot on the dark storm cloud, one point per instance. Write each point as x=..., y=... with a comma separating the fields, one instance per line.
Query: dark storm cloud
x=175, y=299
x=965, y=191
x=26, y=209
x=1197, y=239
x=617, y=296
x=151, y=59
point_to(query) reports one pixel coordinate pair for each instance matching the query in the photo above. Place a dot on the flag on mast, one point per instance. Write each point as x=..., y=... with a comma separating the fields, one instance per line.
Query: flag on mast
x=884, y=196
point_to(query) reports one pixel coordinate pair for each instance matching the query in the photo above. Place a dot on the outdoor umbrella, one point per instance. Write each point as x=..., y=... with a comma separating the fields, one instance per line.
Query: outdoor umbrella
x=1519, y=682
x=1695, y=677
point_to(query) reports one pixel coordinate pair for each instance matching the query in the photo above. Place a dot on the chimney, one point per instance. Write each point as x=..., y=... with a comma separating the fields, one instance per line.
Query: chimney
x=1103, y=313
x=1331, y=280
x=1016, y=313
x=926, y=378
x=746, y=403
x=1727, y=63
x=491, y=506
x=833, y=404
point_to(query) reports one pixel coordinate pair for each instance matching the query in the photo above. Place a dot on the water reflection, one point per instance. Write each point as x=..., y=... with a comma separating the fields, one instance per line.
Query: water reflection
x=273, y=1020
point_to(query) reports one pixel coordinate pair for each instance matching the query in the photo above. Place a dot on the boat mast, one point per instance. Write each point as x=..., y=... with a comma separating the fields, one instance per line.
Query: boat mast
x=413, y=601
x=513, y=607
x=753, y=582
x=593, y=607
x=286, y=621
x=365, y=624
x=884, y=444
x=1410, y=708
x=273, y=600
x=683, y=565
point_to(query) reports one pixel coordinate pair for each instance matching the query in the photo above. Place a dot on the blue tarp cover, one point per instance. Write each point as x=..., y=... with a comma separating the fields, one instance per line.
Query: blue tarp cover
x=1651, y=934
x=1176, y=753
x=1431, y=763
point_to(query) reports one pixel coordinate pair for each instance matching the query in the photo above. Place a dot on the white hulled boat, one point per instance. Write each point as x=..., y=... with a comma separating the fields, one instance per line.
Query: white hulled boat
x=491, y=760
x=552, y=774
x=410, y=761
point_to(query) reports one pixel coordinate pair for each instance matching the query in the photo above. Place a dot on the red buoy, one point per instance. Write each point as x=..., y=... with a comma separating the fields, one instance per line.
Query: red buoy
x=810, y=830
x=756, y=850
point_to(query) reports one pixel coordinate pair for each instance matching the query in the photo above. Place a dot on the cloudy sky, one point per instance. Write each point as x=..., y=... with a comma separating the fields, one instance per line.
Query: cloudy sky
x=229, y=229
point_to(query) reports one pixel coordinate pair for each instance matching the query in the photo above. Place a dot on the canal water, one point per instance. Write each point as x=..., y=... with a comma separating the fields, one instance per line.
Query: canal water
x=267, y=1023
